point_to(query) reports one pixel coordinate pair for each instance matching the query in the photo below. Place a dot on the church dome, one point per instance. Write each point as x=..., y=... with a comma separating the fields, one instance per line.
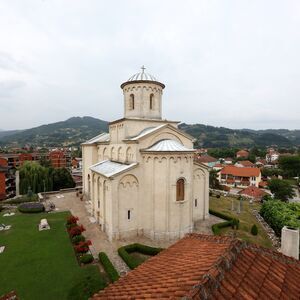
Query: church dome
x=142, y=76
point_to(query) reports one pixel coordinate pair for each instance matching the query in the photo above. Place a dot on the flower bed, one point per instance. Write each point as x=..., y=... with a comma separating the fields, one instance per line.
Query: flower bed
x=131, y=262
x=81, y=245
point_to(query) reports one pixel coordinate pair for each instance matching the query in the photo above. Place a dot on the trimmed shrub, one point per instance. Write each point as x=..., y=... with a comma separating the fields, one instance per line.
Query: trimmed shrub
x=254, y=230
x=108, y=267
x=233, y=222
x=131, y=262
x=23, y=199
x=86, y=258
x=31, y=207
x=220, y=215
x=77, y=239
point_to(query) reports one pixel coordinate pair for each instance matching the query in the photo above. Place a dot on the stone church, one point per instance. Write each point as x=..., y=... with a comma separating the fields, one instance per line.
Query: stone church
x=141, y=177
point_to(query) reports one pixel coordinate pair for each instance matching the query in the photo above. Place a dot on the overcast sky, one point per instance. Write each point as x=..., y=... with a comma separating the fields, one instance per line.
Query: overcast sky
x=224, y=63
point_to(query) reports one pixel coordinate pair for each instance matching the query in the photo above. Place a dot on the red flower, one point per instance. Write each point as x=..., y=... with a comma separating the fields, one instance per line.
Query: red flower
x=76, y=230
x=72, y=220
x=82, y=247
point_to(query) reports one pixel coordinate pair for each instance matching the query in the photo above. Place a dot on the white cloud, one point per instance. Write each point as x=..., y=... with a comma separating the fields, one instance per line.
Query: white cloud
x=224, y=63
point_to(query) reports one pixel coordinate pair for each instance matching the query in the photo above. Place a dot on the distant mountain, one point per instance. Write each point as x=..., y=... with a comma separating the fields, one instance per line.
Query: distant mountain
x=66, y=133
x=76, y=130
x=4, y=133
x=211, y=137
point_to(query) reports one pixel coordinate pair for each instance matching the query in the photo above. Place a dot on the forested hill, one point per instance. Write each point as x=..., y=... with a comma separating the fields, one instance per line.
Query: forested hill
x=79, y=129
x=66, y=133
x=210, y=136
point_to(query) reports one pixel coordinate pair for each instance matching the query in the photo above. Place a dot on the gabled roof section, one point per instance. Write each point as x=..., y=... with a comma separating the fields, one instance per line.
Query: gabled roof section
x=243, y=172
x=110, y=168
x=151, y=130
x=210, y=267
x=103, y=137
x=168, y=146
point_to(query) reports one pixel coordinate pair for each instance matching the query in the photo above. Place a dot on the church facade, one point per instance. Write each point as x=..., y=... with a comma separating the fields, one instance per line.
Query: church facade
x=141, y=177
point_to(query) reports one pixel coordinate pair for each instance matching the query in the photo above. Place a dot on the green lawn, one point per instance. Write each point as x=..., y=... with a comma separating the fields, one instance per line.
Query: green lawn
x=246, y=218
x=42, y=265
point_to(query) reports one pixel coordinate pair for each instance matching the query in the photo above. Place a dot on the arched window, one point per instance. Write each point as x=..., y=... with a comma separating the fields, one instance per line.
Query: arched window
x=131, y=102
x=180, y=190
x=151, y=101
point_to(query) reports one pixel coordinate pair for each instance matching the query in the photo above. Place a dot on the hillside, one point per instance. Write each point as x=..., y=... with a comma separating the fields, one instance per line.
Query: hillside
x=79, y=129
x=66, y=133
x=211, y=137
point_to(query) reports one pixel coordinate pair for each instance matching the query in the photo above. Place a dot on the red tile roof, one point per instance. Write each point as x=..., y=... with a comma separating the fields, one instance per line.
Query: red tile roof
x=242, y=153
x=246, y=163
x=206, y=159
x=200, y=267
x=253, y=191
x=243, y=172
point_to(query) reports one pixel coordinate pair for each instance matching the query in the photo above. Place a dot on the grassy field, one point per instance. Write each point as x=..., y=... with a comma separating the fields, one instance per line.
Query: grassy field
x=42, y=265
x=246, y=218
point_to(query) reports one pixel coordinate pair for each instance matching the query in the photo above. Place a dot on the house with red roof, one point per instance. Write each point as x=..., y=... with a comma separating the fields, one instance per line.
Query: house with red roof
x=233, y=176
x=207, y=160
x=210, y=267
x=244, y=164
x=242, y=153
x=253, y=192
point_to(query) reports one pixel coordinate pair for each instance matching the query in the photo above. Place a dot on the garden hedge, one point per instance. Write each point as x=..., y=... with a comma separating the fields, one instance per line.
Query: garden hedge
x=108, y=267
x=216, y=228
x=31, y=207
x=86, y=258
x=131, y=262
x=23, y=199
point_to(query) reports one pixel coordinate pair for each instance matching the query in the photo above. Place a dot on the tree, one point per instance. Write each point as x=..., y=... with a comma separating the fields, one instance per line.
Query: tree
x=213, y=180
x=290, y=165
x=33, y=176
x=62, y=179
x=281, y=189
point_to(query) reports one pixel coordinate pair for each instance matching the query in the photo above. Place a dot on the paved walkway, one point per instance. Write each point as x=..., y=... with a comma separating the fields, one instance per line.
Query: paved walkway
x=100, y=242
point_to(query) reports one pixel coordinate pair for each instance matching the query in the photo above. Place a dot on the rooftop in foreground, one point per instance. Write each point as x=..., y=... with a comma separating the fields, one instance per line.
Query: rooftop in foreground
x=210, y=267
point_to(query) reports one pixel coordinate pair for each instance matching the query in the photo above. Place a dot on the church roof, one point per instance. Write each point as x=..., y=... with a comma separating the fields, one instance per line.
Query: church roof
x=142, y=76
x=210, y=267
x=110, y=168
x=146, y=131
x=168, y=145
x=103, y=137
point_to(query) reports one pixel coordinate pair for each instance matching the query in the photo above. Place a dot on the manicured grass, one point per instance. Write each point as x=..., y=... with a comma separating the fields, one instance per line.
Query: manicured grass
x=42, y=265
x=246, y=218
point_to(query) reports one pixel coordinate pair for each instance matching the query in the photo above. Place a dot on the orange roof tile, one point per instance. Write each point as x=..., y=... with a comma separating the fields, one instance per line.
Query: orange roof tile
x=201, y=266
x=243, y=172
x=252, y=191
x=246, y=163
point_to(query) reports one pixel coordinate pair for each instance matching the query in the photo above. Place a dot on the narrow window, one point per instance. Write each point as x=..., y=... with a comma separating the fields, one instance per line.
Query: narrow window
x=98, y=203
x=196, y=202
x=131, y=102
x=151, y=101
x=128, y=214
x=180, y=190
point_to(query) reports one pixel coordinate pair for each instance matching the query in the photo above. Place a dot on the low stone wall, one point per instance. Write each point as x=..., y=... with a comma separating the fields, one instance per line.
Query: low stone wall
x=270, y=232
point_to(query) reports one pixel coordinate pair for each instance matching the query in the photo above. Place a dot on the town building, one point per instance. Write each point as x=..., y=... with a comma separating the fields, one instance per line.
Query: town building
x=8, y=179
x=244, y=164
x=233, y=176
x=207, y=160
x=253, y=192
x=272, y=155
x=242, y=154
x=141, y=177
x=210, y=267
